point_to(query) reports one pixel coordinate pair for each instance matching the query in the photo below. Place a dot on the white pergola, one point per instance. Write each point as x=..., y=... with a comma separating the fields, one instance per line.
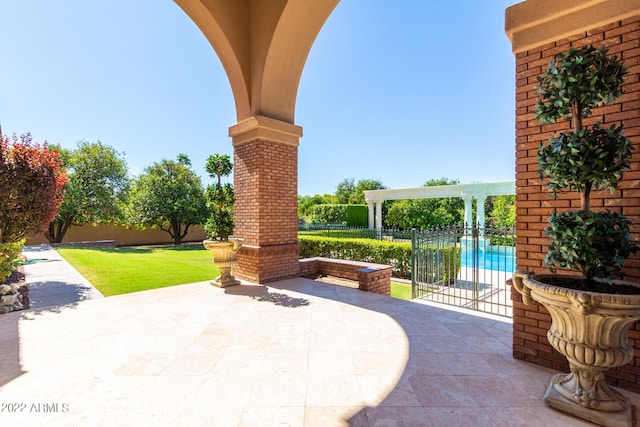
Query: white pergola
x=468, y=193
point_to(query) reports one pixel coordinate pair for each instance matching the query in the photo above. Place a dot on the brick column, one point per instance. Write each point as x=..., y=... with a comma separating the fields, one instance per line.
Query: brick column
x=266, y=208
x=536, y=39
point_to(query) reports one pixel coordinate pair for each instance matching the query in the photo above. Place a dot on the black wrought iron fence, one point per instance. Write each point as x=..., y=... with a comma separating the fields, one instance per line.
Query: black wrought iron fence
x=341, y=230
x=464, y=266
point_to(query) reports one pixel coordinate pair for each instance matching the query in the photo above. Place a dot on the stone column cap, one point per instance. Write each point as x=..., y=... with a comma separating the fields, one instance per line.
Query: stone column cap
x=534, y=23
x=261, y=127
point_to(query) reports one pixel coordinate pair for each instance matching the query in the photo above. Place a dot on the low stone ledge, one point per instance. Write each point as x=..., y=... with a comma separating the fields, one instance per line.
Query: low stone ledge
x=371, y=277
x=89, y=244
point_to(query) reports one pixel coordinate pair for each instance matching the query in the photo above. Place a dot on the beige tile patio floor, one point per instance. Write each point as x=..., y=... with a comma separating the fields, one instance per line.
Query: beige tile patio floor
x=294, y=353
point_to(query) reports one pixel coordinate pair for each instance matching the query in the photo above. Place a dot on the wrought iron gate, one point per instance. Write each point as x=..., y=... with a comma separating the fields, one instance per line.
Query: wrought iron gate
x=464, y=266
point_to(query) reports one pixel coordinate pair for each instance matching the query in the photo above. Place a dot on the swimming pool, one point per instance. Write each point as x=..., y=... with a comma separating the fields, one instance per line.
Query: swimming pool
x=490, y=257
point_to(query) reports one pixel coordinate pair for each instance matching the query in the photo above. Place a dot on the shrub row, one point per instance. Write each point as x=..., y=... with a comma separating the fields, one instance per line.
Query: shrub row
x=396, y=254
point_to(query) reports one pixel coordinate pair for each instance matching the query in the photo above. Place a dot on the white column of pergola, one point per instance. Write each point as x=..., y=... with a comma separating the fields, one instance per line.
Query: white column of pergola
x=468, y=193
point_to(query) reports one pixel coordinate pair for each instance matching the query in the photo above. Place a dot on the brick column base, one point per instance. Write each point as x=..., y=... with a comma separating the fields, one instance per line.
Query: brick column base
x=261, y=264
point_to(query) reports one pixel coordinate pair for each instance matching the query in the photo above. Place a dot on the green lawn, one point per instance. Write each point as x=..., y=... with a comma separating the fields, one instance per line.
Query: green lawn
x=132, y=269
x=123, y=270
x=400, y=290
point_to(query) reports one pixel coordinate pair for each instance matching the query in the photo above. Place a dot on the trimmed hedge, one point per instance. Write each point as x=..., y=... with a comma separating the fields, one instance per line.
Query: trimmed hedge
x=357, y=215
x=396, y=254
x=351, y=215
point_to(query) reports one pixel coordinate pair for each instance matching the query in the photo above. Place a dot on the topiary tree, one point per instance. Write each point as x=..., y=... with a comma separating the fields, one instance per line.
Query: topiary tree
x=31, y=184
x=584, y=159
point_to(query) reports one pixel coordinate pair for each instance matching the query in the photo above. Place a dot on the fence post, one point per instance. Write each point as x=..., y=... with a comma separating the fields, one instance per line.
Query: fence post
x=475, y=234
x=413, y=263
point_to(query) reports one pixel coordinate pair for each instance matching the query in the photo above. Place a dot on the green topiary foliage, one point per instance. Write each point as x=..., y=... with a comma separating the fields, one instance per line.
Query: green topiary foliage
x=584, y=159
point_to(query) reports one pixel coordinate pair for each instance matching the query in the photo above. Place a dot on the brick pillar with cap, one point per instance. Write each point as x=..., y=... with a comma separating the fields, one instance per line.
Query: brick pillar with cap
x=266, y=208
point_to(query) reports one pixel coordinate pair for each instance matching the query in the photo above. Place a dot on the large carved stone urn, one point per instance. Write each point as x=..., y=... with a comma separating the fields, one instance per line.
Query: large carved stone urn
x=590, y=330
x=224, y=257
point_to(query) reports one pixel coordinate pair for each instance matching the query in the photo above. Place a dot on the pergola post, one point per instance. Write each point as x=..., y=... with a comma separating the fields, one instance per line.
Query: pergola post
x=468, y=210
x=480, y=199
x=370, y=215
x=379, y=214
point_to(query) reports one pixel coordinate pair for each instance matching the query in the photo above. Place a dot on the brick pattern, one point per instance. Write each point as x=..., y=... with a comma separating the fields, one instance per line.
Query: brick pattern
x=267, y=263
x=266, y=210
x=533, y=199
x=375, y=278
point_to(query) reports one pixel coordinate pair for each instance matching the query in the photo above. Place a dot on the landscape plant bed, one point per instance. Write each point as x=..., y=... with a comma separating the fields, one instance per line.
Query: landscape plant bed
x=18, y=280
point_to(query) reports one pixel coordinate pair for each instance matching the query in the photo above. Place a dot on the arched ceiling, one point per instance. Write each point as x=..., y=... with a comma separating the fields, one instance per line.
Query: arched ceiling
x=263, y=46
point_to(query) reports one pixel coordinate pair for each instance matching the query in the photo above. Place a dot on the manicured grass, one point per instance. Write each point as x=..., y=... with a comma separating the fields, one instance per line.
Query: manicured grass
x=123, y=270
x=400, y=290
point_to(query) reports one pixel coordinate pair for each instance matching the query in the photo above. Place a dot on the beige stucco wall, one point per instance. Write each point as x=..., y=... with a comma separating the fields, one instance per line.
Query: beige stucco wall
x=122, y=235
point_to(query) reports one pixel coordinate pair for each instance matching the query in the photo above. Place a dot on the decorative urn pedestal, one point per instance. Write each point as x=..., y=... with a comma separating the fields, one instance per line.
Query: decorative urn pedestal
x=224, y=257
x=590, y=329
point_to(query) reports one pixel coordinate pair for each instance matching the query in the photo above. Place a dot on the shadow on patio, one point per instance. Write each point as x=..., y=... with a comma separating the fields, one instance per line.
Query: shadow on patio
x=295, y=352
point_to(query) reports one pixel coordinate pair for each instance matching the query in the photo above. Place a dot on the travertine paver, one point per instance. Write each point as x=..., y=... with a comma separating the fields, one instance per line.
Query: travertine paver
x=296, y=352
x=52, y=281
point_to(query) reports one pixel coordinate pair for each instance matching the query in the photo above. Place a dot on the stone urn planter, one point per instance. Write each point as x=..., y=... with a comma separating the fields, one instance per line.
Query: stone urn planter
x=224, y=257
x=590, y=330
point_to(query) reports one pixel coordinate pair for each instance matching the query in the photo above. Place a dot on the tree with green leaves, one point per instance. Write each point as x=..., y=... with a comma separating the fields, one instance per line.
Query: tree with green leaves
x=96, y=189
x=426, y=213
x=344, y=191
x=502, y=210
x=350, y=193
x=306, y=203
x=168, y=195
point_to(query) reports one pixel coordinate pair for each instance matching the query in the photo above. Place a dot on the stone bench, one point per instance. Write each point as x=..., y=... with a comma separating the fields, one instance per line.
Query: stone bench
x=371, y=277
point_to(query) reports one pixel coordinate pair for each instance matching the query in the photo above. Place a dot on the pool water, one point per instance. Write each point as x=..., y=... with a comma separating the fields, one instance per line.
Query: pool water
x=499, y=258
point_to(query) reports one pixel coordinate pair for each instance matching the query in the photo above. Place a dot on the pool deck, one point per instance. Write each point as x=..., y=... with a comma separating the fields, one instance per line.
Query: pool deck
x=296, y=352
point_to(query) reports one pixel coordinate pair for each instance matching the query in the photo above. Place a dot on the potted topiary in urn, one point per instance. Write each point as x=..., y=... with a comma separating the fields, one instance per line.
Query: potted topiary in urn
x=219, y=226
x=591, y=312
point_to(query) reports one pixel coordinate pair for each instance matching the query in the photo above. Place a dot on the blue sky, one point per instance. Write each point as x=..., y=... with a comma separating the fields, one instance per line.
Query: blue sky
x=401, y=91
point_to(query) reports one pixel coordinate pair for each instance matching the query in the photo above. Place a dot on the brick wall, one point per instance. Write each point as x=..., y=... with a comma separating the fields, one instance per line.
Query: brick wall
x=266, y=210
x=534, y=202
x=375, y=278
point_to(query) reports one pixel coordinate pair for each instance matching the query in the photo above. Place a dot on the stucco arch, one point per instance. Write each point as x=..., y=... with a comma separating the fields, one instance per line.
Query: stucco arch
x=263, y=46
